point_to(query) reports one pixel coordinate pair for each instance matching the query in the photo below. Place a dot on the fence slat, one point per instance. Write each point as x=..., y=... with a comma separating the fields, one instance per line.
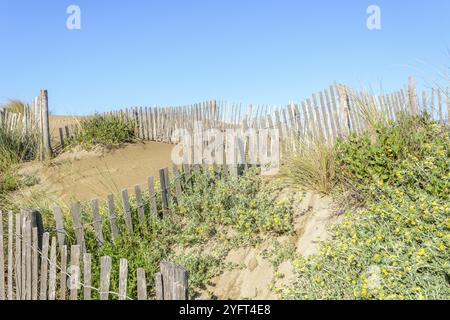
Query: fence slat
x=23, y=281
x=18, y=257
x=123, y=275
x=177, y=176
x=35, y=265
x=52, y=272
x=74, y=281
x=112, y=217
x=97, y=221
x=105, y=275
x=44, y=267
x=127, y=210
x=2, y=261
x=63, y=275
x=87, y=276
x=10, y=255
x=167, y=184
x=324, y=116
x=162, y=183
x=441, y=116
x=187, y=175
x=28, y=259
x=152, y=195
x=174, y=281
x=447, y=95
x=61, y=138
x=46, y=126
x=331, y=116
x=159, y=287
x=141, y=284
x=139, y=202
x=75, y=209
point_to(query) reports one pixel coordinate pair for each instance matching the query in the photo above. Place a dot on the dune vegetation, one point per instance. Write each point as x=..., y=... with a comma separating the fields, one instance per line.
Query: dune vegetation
x=397, y=245
x=391, y=184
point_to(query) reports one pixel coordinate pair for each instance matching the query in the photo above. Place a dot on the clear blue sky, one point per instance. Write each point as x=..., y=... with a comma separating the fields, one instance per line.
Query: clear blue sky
x=169, y=52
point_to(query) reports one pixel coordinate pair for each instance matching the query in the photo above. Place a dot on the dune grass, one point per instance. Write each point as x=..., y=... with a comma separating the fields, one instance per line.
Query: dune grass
x=311, y=166
x=106, y=131
x=15, y=147
x=14, y=106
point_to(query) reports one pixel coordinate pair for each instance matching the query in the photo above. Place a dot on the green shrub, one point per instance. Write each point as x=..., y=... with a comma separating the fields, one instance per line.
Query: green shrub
x=361, y=160
x=229, y=213
x=106, y=131
x=398, y=247
x=243, y=203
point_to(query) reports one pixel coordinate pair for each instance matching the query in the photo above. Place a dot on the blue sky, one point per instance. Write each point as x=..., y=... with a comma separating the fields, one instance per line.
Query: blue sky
x=174, y=52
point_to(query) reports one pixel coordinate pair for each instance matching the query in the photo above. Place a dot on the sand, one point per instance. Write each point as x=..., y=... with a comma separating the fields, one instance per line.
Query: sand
x=83, y=175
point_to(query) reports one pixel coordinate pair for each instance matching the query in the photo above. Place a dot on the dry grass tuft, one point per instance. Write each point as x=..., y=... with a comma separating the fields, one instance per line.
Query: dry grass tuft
x=311, y=166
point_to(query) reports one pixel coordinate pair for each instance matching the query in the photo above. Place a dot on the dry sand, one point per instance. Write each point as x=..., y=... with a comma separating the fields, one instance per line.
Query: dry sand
x=83, y=175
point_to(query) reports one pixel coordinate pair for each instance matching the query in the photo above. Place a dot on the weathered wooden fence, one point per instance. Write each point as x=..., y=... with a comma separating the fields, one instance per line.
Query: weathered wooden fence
x=38, y=269
x=161, y=196
x=45, y=265
x=33, y=122
x=334, y=112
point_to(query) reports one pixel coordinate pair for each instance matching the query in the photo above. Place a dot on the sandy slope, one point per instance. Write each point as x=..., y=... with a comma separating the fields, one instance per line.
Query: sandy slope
x=84, y=175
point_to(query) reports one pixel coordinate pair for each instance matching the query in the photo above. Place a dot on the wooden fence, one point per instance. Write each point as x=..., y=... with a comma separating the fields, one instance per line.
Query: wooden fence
x=36, y=268
x=42, y=263
x=33, y=122
x=334, y=112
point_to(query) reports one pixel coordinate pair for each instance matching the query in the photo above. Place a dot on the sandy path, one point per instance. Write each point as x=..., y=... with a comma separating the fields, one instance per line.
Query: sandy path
x=84, y=175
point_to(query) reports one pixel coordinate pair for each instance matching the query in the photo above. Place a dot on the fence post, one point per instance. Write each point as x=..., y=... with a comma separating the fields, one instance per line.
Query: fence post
x=46, y=126
x=141, y=284
x=61, y=138
x=162, y=183
x=344, y=110
x=171, y=282
x=412, y=95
